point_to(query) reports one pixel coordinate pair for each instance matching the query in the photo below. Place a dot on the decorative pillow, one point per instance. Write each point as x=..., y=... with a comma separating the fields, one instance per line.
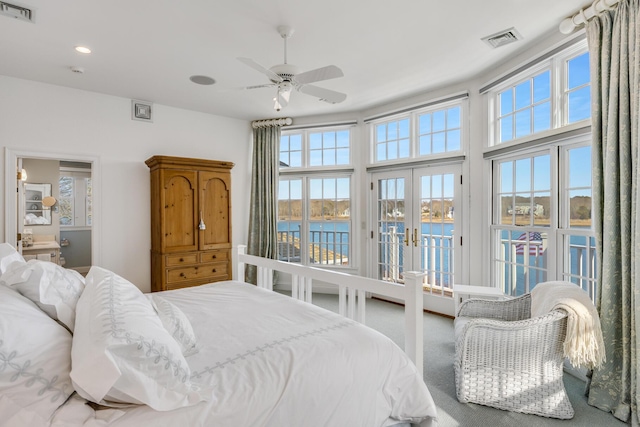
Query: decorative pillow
x=8, y=255
x=35, y=360
x=121, y=352
x=176, y=323
x=53, y=288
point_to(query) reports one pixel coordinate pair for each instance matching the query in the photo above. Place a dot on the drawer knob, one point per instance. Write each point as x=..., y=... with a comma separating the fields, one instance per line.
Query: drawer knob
x=213, y=271
x=215, y=256
x=181, y=274
x=181, y=259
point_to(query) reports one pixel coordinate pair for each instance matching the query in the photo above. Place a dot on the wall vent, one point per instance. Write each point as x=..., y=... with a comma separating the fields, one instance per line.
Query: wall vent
x=503, y=37
x=16, y=11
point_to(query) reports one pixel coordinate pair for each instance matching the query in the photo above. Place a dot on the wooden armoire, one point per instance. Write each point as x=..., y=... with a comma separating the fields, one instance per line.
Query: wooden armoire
x=190, y=222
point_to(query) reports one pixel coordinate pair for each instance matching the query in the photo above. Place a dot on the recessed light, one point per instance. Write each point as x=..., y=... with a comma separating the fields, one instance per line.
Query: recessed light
x=83, y=49
x=202, y=80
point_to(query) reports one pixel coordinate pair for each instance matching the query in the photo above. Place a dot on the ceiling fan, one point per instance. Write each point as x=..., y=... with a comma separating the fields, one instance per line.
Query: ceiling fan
x=286, y=77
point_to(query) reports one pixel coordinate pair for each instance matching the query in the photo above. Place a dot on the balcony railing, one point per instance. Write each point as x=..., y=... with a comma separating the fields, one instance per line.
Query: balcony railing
x=525, y=273
x=325, y=247
x=436, y=258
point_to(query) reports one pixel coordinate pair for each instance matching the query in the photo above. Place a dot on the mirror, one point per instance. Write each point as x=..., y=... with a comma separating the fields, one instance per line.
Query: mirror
x=36, y=211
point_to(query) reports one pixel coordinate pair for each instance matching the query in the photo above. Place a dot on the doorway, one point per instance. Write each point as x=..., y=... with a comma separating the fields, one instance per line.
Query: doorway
x=15, y=160
x=417, y=215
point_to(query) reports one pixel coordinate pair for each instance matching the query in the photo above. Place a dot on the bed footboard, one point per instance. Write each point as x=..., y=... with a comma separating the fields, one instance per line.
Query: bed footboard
x=352, y=292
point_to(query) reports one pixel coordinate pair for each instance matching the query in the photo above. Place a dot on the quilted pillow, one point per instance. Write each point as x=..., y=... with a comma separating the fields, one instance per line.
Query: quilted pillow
x=176, y=323
x=121, y=352
x=35, y=360
x=53, y=288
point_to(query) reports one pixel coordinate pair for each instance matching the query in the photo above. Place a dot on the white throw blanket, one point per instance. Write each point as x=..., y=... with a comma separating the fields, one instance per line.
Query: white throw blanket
x=583, y=344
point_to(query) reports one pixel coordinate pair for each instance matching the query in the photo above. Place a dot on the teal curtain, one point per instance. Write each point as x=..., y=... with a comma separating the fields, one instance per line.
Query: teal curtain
x=263, y=208
x=614, y=49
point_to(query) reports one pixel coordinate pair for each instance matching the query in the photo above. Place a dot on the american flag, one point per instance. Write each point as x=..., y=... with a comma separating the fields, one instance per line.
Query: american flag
x=534, y=249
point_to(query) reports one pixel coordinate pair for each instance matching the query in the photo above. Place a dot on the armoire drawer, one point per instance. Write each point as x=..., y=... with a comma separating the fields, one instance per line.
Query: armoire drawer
x=197, y=272
x=181, y=259
x=214, y=256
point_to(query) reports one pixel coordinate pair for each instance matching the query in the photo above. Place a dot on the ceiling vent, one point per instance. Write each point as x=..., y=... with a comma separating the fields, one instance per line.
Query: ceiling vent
x=503, y=37
x=16, y=11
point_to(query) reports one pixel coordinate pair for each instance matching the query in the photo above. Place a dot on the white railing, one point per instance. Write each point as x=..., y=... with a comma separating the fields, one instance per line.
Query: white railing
x=351, y=293
x=437, y=252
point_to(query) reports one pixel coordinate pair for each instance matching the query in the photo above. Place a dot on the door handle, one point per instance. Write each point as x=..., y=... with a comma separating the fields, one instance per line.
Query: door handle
x=406, y=237
x=415, y=237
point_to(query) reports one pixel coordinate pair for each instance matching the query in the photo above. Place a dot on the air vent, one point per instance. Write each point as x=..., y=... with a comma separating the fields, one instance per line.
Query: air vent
x=16, y=11
x=503, y=37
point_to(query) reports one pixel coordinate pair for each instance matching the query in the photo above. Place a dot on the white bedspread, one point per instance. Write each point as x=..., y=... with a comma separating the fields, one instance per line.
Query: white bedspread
x=276, y=361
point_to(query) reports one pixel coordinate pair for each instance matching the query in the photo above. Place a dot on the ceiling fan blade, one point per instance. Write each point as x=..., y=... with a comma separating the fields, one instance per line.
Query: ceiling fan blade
x=253, y=64
x=326, y=95
x=260, y=86
x=319, y=74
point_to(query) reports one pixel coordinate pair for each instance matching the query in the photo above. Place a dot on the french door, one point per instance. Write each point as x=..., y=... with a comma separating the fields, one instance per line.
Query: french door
x=416, y=217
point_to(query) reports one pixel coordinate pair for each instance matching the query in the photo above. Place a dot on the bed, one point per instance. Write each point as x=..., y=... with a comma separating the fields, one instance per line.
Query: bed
x=98, y=352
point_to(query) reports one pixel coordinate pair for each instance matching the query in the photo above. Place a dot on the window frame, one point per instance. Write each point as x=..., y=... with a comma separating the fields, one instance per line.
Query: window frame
x=559, y=229
x=558, y=66
x=414, y=132
x=305, y=173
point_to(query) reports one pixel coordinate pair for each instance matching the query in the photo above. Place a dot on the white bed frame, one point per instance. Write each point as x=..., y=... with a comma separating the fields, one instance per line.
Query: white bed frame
x=351, y=293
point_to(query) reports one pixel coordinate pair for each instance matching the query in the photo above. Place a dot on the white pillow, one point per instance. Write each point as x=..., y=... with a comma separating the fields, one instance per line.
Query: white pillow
x=176, y=323
x=53, y=288
x=35, y=360
x=8, y=255
x=121, y=352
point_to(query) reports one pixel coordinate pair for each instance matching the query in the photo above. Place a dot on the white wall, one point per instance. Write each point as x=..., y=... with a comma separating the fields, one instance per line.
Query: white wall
x=48, y=118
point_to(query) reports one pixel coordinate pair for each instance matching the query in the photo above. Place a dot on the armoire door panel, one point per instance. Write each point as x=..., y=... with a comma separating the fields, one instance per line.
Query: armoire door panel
x=180, y=204
x=215, y=202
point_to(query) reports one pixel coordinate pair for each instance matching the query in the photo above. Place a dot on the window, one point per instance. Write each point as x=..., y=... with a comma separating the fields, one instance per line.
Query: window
x=314, y=197
x=392, y=140
x=74, y=203
x=439, y=131
x=542, y=219
x=423, y=132
x=551, y=95
x=541, y=226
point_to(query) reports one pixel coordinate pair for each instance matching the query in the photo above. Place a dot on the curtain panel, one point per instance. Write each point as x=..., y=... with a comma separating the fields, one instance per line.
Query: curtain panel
x=614, y=49
x=263, y=208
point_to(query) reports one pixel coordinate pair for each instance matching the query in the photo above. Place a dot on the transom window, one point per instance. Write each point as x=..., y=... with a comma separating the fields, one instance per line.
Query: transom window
x=552, y=94
x=392, y=140
x=423, y=132
x=439, y=131
x=329, y=148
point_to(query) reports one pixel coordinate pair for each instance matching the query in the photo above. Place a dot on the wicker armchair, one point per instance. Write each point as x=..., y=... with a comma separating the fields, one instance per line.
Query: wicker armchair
x=508, y=360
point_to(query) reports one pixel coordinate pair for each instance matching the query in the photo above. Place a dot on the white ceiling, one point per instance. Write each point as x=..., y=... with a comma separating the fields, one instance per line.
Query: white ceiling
x=148, y=49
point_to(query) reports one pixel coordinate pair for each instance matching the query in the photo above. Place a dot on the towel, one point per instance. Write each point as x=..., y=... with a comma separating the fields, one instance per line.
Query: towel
x=583, y=344
x=44, y=257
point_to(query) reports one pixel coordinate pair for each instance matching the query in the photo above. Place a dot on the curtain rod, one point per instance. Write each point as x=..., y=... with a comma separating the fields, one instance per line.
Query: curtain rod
x=569, y=24
x=285, y=121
